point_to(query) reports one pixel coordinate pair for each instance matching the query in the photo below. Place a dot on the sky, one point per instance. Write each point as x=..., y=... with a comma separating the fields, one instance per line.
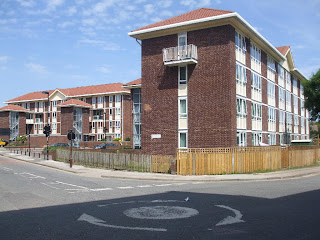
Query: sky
x=49, y=44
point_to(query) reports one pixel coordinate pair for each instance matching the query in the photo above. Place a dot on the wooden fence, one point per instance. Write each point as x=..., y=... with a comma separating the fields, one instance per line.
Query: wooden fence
x=118, y=161
x=243, y=159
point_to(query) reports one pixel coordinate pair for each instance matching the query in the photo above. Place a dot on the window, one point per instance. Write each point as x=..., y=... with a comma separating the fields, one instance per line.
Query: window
x=295, y=104
x=282, y=118
x=100, y=100
x=281, y=76
x=183, y=108
x=256, y=139
x=110, y=124
x=28, y=106
x=118, y=125
x=94, y=101
x=41, y=106
x=289, y=122
x=118, y=98
x=110, y=111
x=295, y=85
x=183, y=75
x=84, y=99
x=241, y=108
x=23, y=105
x=272, y=139
x=301, y=90
x=288, y=81
x=240, y=41
x=54, y=115
x=255, y=58
x=255, y=82
x=288, y=98
x=241, y=75
x=271, y=90
x=54, y=104
x=296, y=120
x=256, y=111
x=117, y=111
x=271, y=115
x=281, y=95
x=54, y=126
x=183, y=140
x=110, y=99
x=241, y=139
x=302, y=107
x=240, y=47
x=271, y=68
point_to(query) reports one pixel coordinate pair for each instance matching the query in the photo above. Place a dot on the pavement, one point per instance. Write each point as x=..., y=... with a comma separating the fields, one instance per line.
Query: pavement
x=105, y=173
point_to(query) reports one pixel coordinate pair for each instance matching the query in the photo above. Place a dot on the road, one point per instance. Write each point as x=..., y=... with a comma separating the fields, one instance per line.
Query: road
x=37, y=202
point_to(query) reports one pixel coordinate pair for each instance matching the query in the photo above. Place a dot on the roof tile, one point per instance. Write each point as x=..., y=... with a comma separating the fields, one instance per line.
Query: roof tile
x=189, y=16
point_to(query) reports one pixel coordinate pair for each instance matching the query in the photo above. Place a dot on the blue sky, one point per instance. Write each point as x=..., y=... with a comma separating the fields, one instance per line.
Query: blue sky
x=48, y=44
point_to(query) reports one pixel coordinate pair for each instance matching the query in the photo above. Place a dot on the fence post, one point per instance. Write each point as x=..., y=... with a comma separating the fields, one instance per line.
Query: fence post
x=232, y=161
x=240, y=167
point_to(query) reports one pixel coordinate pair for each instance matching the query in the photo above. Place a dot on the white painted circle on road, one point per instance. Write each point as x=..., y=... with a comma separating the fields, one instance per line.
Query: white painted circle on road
x=161, y=212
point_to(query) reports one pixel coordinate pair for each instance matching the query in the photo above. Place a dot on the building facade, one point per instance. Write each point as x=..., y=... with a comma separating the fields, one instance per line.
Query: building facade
x=209, y=79
x=92, y=112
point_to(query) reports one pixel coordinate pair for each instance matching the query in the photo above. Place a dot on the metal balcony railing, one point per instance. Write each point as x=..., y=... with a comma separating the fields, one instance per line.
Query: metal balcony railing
x=183, y=54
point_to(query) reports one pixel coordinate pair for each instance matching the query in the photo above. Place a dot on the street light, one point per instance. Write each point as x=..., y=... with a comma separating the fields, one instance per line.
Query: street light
x=47, y=129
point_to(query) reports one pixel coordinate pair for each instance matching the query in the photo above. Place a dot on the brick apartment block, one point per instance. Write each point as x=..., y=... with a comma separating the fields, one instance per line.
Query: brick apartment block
x=209, y=79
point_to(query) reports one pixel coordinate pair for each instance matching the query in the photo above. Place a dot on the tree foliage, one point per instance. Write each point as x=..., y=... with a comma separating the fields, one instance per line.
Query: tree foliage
x=312, y=95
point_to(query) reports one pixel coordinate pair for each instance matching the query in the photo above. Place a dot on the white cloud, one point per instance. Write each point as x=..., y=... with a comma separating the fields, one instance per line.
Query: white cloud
x=66, y=24
x=53, y=4
x=309, y=70
x=8, y=21
x=99, y=7
x=37, y=68
x=149, y=8
x=164, y=3
x=197, y=3
x=104, y=69
x=71, y=66
x=71, y=11
x=4, y=59
x=89, y=22
x=26, y=3
x=107, y=46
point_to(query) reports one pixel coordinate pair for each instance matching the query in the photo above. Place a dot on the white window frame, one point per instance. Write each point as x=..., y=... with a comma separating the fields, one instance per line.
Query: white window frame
x=179, y=139
x=181, y=114
x=183, y=81
x=117, y=98
x=241, y=139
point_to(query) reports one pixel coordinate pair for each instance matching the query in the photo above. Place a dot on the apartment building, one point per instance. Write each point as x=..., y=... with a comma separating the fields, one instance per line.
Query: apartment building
x=209, y=79
x=93, y=112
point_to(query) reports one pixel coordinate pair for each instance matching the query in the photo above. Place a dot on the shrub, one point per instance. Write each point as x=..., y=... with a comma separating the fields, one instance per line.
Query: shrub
x=127, y=139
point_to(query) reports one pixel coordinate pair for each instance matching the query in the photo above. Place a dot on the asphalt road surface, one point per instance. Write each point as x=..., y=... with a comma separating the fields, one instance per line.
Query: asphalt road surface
x=37, y=202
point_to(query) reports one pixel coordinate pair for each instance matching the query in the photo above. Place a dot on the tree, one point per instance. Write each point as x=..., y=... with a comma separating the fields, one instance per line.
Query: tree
x=312, y=95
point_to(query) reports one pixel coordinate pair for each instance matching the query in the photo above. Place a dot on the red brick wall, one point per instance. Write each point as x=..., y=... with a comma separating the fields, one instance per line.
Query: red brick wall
x=212, y=89
x=85, y=121
x=127, y=116
x=210, y=125
x=66, y=119
x=4, y=123
x=22, y=124
x=41, y=141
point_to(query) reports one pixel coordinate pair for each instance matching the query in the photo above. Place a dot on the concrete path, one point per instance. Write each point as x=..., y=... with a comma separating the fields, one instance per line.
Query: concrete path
x=94, y=172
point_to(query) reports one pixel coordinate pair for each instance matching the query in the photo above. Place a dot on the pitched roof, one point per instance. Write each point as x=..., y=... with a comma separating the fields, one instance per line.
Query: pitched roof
x=283, y=50
x=74, y=102
x=135, y=82
x=14, y=108
x=94, y=89
x=189, y=16
x=31, y=96
x=72, y=92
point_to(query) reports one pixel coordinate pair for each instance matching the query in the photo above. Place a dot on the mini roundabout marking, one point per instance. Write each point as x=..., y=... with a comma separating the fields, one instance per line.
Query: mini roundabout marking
x=159, y=212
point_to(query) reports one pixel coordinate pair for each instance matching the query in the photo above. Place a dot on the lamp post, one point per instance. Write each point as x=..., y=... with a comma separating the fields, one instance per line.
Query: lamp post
x=47, y=129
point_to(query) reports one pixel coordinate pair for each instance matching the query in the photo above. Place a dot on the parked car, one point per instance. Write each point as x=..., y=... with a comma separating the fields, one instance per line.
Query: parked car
x=105, y=145
x=3, y=143
x=60, y=145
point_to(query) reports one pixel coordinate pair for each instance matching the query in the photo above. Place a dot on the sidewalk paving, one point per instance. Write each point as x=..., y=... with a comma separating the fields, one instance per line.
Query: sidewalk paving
x=104, y=173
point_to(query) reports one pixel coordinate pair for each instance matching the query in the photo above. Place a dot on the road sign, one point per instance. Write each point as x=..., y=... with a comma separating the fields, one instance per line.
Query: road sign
x=71, y=136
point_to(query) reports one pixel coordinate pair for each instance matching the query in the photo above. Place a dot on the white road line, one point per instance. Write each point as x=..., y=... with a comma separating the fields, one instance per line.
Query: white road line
x=32, y=175
x=7, y=169
x=144, y=186
x=100, y=189
x=72, y=185
x=197, y=183
x=162, y=185
x=179, y=184
x=125, y=187
x=49, y=185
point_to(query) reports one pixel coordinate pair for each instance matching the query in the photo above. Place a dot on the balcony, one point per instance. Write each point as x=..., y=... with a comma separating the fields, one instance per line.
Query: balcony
x=176, y=56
